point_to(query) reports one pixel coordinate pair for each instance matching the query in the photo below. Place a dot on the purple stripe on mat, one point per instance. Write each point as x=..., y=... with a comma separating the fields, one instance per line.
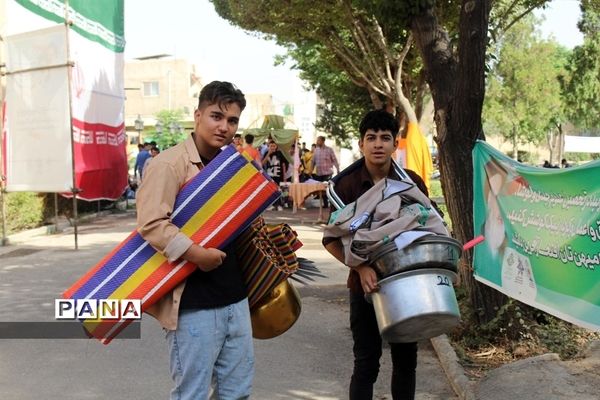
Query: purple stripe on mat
x=130, y=247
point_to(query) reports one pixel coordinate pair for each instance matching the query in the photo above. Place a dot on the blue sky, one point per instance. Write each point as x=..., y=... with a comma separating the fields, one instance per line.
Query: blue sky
x=191, y=29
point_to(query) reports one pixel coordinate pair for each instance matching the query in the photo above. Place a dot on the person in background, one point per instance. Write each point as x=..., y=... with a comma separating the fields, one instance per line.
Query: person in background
x=378, y=139
x=206, y=318
x=564, y=163
x=237, y=142
x=250, y=149
x=324, y=160
x=154, y=151
x=276, y=165
x=306, y=160
x=303, y=148
x=264, y=148
x=290, y=169
x=140, y=160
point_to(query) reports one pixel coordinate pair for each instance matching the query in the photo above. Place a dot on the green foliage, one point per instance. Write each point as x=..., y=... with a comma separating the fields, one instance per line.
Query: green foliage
x=506, y=13
x=65, y=206
x=169, y=136
x=23, y=211
x=581, y=83
x=435, y=190
x=525, y=157
x=345, y=103
x=578, y=157
x=523, y=97
x=394, y=14
x=341, y=50
x=436, y=194
x=27, y=210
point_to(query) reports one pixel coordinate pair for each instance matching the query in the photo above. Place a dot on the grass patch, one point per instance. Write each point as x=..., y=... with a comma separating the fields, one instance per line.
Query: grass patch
x=435, y=189
x=24, y=210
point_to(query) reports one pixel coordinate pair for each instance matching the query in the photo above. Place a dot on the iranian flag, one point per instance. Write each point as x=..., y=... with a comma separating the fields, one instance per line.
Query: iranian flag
x=64, y=98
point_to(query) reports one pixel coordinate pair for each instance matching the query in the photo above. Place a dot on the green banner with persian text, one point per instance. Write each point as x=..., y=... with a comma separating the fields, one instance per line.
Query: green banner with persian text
x=542, y=234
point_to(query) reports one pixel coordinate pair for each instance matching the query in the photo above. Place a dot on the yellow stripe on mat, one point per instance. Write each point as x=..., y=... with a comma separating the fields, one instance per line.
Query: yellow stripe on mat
x=214, y=204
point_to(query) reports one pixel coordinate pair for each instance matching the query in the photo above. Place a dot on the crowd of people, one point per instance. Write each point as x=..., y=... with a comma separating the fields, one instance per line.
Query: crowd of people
x=146, y=152
x=316, y=163
x=563, y=164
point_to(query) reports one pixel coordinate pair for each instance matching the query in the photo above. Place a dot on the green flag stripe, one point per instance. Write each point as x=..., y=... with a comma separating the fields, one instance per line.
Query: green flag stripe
x=99, y=21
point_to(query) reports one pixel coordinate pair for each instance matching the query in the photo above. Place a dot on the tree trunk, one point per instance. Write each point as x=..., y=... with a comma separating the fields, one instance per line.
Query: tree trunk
x=458, y=89
x=560, y=141
x=551, y=138
x=515, y=151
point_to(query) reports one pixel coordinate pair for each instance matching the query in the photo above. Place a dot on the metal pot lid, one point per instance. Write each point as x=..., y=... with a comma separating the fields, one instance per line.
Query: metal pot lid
x=429, y=239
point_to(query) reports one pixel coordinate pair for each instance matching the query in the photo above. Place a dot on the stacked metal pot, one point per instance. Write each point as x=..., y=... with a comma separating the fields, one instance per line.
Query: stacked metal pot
x=416, y=298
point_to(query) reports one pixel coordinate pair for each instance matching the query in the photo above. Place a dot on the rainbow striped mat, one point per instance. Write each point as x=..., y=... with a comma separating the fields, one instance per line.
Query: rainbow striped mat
x=212, y=209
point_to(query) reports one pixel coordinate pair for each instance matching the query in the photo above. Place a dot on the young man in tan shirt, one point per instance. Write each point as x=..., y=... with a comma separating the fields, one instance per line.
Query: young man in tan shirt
x=207, y=318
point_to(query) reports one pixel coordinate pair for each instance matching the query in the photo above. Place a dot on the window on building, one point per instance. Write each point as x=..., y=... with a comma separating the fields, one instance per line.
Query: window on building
x=150, y=89
x=134, y=139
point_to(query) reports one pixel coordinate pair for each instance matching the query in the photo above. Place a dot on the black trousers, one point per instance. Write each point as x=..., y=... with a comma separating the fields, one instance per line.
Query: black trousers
x=367, y=352
x=323, y=178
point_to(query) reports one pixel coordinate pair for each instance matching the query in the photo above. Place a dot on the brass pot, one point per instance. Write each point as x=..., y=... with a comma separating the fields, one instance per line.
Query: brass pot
x=276, y=312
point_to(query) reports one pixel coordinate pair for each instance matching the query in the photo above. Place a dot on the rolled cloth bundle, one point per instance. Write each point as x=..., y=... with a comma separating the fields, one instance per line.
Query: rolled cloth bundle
x=267, y=257
x=213, y=208
x=391, y=210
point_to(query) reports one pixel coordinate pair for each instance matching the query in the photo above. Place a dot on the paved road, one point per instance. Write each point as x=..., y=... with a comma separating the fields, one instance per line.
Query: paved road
x=311, y=361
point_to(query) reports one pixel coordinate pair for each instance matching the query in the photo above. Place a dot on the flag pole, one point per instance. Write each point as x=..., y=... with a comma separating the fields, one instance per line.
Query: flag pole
x=4, y=241
x=74, y=189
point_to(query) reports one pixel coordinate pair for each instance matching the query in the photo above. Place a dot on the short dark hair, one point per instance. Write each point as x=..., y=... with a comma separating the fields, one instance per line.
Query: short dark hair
x=379, y=120
x=221, y=93
x=249, y=138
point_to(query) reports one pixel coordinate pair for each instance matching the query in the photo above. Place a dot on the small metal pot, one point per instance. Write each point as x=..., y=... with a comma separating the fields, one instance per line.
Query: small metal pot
x=415, y=305
x=276, y=312
x=427, y=252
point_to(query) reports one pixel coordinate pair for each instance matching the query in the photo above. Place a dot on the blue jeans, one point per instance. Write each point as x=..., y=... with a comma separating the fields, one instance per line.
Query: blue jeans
x=213, y=345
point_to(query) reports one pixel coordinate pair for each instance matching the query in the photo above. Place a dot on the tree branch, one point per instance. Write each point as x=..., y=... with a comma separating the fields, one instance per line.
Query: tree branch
x=352, y=68
x=379, y=39
x=524, y=13
x=400, y=97
x=368, y=55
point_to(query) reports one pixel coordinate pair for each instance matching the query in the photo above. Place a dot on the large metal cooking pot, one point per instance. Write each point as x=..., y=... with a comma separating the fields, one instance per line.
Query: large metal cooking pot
x=276, y=312
x=415, y=305
x=430, y=251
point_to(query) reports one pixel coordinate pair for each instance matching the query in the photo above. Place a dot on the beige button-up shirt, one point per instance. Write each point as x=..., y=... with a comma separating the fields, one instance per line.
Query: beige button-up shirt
x=163, y=179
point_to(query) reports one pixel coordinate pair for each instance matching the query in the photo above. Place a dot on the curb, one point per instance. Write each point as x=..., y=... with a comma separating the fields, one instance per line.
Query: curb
x=463, y=387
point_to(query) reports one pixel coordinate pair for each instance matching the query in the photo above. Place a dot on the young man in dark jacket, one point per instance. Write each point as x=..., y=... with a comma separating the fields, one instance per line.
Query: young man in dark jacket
x=378, y=132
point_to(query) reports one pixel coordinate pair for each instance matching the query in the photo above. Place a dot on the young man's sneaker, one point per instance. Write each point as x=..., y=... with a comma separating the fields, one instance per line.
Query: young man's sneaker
x=272, y=208
x=279, y=208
